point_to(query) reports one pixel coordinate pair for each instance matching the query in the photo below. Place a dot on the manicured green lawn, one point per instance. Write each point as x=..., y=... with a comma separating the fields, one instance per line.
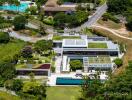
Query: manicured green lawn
x=7, y=96
x=63, y=93
x=97, y=45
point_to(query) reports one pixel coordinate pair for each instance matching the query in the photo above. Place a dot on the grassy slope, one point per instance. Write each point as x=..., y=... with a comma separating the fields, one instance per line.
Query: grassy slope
x=110, y=24
x=7, y=96
x=7, y=51
x=63, y=93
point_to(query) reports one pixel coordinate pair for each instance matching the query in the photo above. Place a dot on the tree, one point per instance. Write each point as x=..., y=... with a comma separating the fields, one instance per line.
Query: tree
x=19, y=22
x=39, y=3
x=7, y=70
x=60, y=19
x=43, y=45
x=32, y=10
x=27, y=52
x=35, y=89
x=17, y=85
x=75, y=65
x=60, y=2
x=118, y=62
x=4, y=37
x=17, y=3
x=42, y=29
x=91, y=88
x=31, y=76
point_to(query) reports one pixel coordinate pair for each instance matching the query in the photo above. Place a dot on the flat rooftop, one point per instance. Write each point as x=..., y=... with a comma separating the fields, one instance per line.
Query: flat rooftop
x=89, y=44
x=73, y=43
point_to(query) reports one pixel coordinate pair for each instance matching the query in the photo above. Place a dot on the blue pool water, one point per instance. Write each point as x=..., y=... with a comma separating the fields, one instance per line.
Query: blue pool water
x=21, y=8
x=71, y=81
x=68, y=81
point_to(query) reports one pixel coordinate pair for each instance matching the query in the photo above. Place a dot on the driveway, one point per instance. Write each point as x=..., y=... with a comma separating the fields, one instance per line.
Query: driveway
x=93, y=19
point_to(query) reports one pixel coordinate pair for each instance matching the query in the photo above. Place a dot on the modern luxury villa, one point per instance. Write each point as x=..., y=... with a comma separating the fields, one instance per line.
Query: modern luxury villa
x=95, y=53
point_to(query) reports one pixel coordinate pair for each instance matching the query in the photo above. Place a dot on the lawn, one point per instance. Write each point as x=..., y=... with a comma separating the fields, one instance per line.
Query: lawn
x=97, y=45
x=110, y=24
x=7, y=96
x=9, y=50
x=63, y=93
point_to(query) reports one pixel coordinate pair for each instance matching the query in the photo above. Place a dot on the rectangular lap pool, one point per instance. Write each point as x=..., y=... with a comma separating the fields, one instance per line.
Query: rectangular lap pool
x=68, y=81
x=72, y=81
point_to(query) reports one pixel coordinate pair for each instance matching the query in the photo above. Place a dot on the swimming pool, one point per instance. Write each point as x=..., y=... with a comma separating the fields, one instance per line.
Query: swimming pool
x=68, y=81
x=21, y=8
x=71, y=81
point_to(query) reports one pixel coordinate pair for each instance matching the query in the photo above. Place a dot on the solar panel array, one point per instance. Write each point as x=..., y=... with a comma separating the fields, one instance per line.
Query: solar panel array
x=74, y=42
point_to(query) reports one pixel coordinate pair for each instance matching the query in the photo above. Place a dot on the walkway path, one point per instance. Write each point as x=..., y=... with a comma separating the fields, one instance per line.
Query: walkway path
x=112, y=31
x=29, y=38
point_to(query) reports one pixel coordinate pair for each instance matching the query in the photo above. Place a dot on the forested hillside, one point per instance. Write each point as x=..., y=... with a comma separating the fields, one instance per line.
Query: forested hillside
x=123, y=7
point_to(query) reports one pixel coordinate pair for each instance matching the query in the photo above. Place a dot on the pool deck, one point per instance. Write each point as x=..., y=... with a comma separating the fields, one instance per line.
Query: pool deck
x=52, y=79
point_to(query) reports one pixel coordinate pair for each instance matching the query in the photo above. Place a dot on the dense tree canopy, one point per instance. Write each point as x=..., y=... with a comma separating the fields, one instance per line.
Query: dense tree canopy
x=123, y=7
x=74, y=19
x=19, y=22
x=75, y=65
x=116, y=88
x=43, y=45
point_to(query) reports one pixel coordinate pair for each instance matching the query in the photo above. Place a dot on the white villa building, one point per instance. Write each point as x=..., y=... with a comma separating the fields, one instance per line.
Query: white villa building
x=95, y=53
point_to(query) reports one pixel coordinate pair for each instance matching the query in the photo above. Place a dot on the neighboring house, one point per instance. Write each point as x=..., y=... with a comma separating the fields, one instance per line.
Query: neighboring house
x=41, y=70
x=95, y=53
x=52, y=7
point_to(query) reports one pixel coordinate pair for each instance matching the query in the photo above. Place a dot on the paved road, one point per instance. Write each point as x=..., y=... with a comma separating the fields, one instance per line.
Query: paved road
x=93, y=19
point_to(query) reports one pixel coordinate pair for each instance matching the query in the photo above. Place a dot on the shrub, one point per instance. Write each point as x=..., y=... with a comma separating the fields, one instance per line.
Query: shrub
x=109, y=16
x=60, y=2
x=53, y=69
x=40, y=61
x=27, y=52
x=118, y=62
x=4, y=37
x=19, y=22
x=75, y=65
x=22, y=61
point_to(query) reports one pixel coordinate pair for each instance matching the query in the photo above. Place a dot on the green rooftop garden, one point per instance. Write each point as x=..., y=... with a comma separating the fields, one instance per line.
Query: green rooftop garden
x=99, y=59
x=97, y=45
x=57, y=37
